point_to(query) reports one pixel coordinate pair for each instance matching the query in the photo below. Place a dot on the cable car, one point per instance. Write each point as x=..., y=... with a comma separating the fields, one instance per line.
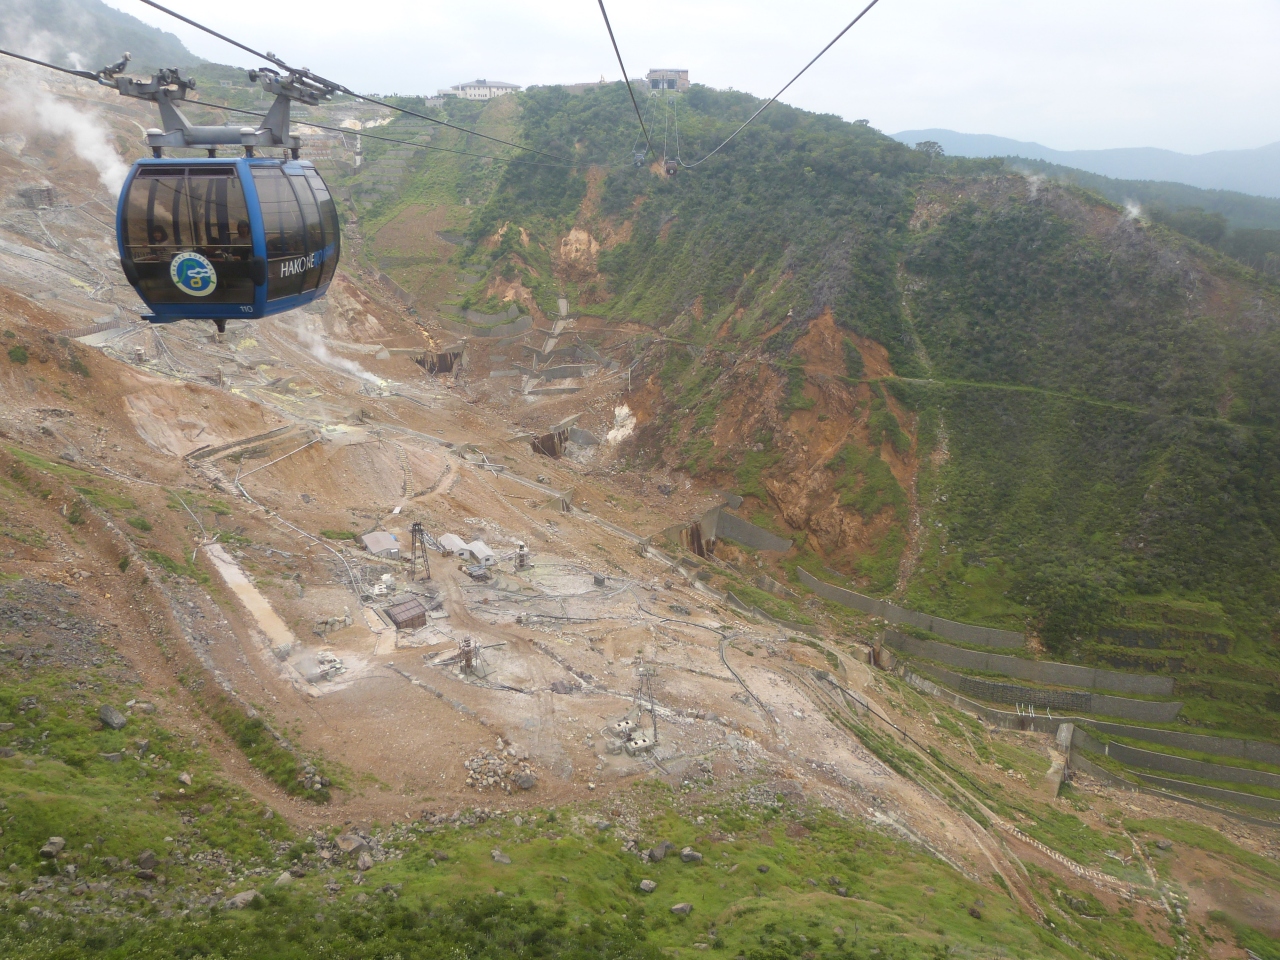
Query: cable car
x=671, y=168
x=221, y=239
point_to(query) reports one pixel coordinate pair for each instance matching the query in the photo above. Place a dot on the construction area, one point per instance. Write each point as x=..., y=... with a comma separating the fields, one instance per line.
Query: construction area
x=407, y=536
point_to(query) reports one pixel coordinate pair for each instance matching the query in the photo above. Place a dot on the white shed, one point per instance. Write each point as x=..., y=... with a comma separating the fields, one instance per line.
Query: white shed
x=481, y=553
x=381, y=544
x=452, y=543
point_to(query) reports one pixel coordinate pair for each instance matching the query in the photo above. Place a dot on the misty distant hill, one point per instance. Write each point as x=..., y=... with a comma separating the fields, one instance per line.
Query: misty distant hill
x=1254, y=171
x=87, y=34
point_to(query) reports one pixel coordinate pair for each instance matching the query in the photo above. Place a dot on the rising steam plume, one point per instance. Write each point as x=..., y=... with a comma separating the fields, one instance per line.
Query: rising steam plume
x=26, y=104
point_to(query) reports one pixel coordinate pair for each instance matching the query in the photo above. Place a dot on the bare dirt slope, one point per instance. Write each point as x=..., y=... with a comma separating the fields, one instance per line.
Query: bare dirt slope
x=233, y=471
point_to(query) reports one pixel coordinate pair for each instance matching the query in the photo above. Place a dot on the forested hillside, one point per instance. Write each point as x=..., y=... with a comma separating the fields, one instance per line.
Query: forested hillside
x=1005, y=400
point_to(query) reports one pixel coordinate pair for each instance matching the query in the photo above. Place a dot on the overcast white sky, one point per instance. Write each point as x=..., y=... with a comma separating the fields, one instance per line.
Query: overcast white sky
x=1186, y=76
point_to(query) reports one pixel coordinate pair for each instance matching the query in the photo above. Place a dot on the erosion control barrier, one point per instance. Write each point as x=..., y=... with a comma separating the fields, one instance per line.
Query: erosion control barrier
x=1082, y=744
x=1257, y=750
x=1220, y=794
x=514, y=329
x=960, y=632
x=483, y=319
x=1148, y=711
x=1167, y=763
x=1037, y=671
x=719, y=524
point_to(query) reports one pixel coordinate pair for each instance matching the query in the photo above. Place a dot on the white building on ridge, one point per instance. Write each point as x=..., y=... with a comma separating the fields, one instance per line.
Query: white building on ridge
x=479, y=89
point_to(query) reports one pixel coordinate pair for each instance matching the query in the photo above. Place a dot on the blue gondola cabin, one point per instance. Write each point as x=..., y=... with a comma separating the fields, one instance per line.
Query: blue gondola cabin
x=211, y=239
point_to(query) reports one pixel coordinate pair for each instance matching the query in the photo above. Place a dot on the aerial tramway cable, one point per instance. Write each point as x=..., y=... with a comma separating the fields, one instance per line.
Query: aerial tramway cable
x=271, y=57
x=865, y=10
x=371, y=136
x=608, y=26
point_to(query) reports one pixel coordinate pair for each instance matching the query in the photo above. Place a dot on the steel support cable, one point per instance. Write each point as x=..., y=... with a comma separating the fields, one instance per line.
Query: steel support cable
x=271, y=57
x=82, y=74
x=371, y=136
x=863, y=13
x=625, y=79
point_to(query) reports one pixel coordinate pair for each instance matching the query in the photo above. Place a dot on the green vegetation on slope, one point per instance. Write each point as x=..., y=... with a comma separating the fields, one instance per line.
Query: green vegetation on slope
x=1108, y=389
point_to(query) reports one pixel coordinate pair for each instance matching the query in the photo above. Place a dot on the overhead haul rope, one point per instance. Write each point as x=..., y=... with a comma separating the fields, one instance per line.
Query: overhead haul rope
x=371, y=136
x=342, y=89
x=83, y=74
x=608, y=26
x=88, y=75
x=863, y=13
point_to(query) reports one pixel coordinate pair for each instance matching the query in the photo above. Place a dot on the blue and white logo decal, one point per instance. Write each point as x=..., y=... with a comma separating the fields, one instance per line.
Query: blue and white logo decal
x=193, y=274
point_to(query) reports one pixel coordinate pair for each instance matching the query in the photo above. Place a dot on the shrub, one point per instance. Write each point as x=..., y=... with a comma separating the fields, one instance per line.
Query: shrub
x=18, y=354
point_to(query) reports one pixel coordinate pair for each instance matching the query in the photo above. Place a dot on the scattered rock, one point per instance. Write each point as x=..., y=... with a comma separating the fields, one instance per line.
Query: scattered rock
x=763, y=868
x=489, y=770
x=499, y=856
x=561, y=686
x=364, y=861
x=110, y=757
x=206, y=809
x=185, y=777
x=690, y=855
x=147, y=860
x=975, y=913
x=6, y=727
x=350, y=843
x=1164, y=844
x=145, y=874
x=7, y=752
x=297, y=871
x=842, y=891
x=52, y=847
x=678, y=610
x=661, y=850
x=240, y=900
x=143, y=747
x=284, y=879
x=145, y=707
x=648, y=886
x=111, y=717
x=683, y=909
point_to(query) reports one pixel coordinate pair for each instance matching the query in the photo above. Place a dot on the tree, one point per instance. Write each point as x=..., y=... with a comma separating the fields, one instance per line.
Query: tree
x=931, y=149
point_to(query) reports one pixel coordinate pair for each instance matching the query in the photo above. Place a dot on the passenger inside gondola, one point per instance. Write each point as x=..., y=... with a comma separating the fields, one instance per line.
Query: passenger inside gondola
x=158, y=237
x=242, y=243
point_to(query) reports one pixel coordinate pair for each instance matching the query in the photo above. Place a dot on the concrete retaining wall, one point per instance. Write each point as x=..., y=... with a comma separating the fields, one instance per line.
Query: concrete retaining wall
x=1062, y=700
x=1213, y=793
x=1257, y=750
x=514, y=329
x=483, y=319
x=1083, y=744
x=960, y=632
x=719, y=524
x=1167, y=763
x=1037, y=671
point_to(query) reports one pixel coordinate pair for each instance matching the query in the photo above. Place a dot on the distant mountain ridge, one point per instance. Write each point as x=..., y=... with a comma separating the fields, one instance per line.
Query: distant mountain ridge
x=1254, y=171
x=87, y=34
